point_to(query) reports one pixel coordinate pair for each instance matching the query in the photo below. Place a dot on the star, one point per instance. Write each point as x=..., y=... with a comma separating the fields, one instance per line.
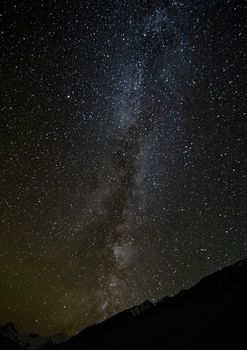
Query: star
x=122, y=172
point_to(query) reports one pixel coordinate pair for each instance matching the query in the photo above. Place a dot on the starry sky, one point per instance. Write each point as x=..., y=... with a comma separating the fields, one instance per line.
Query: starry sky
x=122, y=152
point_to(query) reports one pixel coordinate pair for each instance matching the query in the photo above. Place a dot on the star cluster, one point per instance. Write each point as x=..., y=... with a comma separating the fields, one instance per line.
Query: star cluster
x=123, y=169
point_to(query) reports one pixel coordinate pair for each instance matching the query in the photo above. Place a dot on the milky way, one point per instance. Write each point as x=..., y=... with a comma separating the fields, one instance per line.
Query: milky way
x=123, y=173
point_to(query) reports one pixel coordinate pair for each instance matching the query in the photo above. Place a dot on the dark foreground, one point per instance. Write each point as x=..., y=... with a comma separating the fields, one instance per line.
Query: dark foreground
x=210, y=315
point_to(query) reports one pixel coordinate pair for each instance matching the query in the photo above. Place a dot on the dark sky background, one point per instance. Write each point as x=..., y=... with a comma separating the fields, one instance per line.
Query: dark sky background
x=122, y=152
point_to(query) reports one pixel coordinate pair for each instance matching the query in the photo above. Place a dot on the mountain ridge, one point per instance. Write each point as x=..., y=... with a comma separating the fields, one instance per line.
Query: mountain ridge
x=30, y=341
x=212, y=310
x=210, y=313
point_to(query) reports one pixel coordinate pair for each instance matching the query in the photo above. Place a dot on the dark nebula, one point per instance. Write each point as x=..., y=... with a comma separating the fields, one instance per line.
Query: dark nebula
x=123, y=154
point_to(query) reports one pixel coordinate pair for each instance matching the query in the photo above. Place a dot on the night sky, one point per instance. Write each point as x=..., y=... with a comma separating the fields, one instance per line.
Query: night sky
x=122, y=153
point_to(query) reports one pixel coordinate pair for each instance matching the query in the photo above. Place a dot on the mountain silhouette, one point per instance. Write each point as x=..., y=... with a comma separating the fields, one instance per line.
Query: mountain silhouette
x=211, y=314
x=11, y=338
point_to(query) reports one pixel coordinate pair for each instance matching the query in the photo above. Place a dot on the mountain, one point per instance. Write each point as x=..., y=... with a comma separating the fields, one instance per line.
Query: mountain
x=212, y=314
x=11, y=337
